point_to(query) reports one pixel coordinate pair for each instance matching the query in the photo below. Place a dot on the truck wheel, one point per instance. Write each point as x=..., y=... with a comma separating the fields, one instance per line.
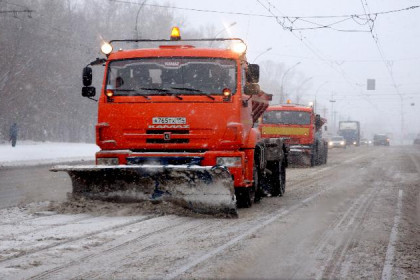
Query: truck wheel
x=278, y=179
x=283, y=179
x=246, y=196
x=313, y=158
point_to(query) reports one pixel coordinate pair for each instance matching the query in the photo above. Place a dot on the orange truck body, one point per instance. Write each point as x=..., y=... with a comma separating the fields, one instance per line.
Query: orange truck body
x=302, y=137
x=213, y=127
x=178, y=123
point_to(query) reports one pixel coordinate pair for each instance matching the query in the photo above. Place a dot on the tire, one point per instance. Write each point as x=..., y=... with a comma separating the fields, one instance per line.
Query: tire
x=278, y=179
x=256, y=187
x=313, y=158
x=246, y=196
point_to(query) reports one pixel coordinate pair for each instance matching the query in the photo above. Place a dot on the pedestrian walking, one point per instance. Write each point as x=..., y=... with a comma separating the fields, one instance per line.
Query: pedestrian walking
x=13, y=133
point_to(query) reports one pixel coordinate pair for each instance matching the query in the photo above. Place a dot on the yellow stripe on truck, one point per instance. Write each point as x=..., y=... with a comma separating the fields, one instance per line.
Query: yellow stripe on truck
x=285, y=130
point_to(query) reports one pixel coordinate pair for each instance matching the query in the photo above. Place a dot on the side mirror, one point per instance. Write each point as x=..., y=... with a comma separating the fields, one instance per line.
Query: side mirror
x=326, y=128
x=88, y=91
x=87, y=76
x=251, y=89
x=253, y=73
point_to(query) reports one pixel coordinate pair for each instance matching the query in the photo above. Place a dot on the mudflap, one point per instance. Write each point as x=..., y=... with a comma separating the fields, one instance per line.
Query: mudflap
x=299, y=158
x=203, y=189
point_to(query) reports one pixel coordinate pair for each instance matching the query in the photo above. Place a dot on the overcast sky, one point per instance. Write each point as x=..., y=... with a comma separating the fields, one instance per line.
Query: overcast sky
x=342, y=61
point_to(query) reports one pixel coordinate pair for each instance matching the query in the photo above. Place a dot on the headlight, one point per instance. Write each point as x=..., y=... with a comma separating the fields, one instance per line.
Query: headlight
x=238, y=47
x=107, y=161
x=106, y=48
x=330, y=143
x=342, y=143
x=354, y=143
x=229, y=161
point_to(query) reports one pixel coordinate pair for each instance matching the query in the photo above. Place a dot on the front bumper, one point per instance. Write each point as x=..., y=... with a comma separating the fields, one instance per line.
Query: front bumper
x=205, y=159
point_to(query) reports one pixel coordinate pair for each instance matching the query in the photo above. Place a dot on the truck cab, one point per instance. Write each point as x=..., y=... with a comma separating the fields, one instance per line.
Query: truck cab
x=180, y=106
x=300, y=127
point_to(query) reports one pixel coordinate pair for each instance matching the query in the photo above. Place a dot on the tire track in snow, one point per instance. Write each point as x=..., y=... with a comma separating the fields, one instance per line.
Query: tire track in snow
x=281, y=213
x=73, y=239
x=336, y=258
x=72, y=219
x=390, y=252
x=301, y=271
x=127, y=260
x=114, y=256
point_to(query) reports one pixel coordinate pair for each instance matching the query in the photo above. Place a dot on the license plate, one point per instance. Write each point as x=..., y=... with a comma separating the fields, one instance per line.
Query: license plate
x=160, y=120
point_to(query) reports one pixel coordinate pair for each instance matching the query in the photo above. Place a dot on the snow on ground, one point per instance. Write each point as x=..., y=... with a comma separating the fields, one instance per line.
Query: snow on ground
x=34, y=153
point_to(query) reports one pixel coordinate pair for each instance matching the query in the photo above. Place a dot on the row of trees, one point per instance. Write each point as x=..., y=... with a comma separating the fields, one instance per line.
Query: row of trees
x=43, y=53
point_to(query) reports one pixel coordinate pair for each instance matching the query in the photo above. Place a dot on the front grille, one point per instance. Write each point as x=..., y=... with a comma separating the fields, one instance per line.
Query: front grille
x=149, y=131
x=170, y=141
x=165, y=160
x=173, y=150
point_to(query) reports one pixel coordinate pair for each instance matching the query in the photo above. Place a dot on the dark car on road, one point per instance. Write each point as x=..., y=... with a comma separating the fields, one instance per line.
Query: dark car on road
x=380, y=140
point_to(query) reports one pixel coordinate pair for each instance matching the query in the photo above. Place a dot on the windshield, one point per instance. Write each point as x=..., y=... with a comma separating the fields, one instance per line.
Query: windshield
x=337, y=139
x=287, y=117
x=171, y=75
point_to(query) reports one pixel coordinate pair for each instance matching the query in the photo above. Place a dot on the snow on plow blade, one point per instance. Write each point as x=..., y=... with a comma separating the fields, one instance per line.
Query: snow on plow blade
x=203, y=189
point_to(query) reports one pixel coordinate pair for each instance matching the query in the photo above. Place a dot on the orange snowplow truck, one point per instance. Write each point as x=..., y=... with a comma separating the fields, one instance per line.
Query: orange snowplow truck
x=175, y=123
x=301, y=129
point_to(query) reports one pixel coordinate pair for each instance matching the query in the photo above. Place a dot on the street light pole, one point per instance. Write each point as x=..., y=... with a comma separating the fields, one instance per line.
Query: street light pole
x=267, y=50
x=227, y=27
x=282, y=81
x=332, y=100
x=218, y=33
x=316, y=93
x=298, y=89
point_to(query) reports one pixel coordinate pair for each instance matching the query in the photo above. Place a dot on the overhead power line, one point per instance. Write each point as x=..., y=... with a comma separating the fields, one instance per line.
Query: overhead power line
x=286, y=18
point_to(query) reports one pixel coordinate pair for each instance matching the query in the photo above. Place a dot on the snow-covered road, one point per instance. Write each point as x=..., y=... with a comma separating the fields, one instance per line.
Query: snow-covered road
x=335, y=221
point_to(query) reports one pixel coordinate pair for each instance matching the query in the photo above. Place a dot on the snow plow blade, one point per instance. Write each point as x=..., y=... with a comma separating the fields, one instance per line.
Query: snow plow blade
x=203, y=189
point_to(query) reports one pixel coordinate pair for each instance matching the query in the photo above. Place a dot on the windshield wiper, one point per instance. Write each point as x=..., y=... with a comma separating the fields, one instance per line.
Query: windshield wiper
x=187, y=89
x=164, y=91
x=195, y=90
x=131, y=90
x=156, y=89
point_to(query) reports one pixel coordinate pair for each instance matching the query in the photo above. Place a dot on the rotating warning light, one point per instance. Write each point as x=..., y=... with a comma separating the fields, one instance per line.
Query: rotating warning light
x=106, y=48
x=175, y=34
x=289, y=101
x=239, y=47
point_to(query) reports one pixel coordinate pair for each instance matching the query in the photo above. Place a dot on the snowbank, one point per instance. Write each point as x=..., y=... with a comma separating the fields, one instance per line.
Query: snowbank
x=35, y=153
